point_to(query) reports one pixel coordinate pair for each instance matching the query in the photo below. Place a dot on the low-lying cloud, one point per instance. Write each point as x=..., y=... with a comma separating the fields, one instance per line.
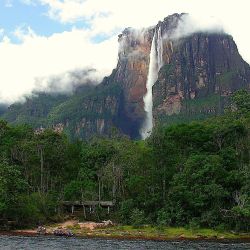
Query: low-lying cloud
x=39, y=60
x=189, y=24
x=68, y=82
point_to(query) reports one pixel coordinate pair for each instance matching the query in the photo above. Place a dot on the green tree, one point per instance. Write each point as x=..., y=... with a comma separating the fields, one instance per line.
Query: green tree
x=12, y=186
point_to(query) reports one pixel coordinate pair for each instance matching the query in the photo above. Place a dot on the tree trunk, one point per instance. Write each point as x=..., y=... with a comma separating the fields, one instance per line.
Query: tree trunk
x=42, y=168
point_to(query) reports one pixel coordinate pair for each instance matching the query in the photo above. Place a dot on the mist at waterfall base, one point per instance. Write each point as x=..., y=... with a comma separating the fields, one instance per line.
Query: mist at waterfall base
x=155, y=63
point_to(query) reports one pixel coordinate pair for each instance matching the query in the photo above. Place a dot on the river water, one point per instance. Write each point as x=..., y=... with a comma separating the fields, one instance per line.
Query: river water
x=60, y=243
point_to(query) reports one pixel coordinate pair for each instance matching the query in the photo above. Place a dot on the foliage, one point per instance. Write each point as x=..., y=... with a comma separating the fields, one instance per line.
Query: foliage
x=12, y=185
x=137, y=217
x=35, y=109
x=194, y=175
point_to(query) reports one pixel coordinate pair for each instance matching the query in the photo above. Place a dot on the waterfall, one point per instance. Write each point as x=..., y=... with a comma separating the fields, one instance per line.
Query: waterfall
x=155, y=63
x=159, y=49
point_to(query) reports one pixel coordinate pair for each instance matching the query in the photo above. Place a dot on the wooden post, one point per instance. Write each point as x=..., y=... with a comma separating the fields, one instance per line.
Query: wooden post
x=108, y=209
x=72, y=209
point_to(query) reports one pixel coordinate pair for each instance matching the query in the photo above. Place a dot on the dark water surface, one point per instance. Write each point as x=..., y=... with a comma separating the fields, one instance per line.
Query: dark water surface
x=60, y=243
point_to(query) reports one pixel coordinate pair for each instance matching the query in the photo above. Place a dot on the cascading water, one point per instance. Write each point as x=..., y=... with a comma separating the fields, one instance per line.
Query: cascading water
x=159, y=49
x=155, y=63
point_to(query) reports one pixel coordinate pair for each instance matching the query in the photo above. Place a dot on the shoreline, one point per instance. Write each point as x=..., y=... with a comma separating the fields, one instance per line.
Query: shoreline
x=95, y=235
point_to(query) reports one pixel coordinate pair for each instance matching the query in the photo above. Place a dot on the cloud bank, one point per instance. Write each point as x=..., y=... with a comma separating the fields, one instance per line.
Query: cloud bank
x=68, y=82
x=189, y=24
x=37, y=59
x=107, y=16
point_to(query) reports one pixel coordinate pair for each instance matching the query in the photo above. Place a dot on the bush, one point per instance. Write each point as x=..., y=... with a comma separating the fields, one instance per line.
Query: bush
x=163, y=218
x=36, y=209
x=137, y=217
x=194, y=224
x=29, y=212
x=125, y=211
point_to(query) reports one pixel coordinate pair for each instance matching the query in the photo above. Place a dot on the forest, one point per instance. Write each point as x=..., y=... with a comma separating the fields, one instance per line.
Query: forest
x=193, y=174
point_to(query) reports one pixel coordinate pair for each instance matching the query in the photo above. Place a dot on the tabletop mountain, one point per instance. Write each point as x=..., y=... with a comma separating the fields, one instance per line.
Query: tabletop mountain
x=162, y=75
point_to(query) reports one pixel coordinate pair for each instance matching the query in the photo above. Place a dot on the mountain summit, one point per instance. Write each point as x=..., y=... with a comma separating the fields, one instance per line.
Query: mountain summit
x=193, y=73
x=164, y=74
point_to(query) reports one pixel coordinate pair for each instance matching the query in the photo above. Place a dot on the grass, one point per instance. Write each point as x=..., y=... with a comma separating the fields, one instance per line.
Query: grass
x=161, y=233
x=149, y=232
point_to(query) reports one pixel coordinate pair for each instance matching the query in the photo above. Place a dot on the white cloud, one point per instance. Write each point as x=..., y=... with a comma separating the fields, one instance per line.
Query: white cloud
x=191, y=24
x=69, y=81
x=8, y=3
x=106, y=16
x=29, y=2
x=1, y=32
x=39, y=58
x=24, y=32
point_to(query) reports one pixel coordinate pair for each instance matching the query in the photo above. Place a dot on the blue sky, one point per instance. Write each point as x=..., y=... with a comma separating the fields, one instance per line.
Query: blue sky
x=46, y=39
x=15, y=14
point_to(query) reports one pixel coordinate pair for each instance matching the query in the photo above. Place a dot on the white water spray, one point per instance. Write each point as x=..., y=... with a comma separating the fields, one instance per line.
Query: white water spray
x=155, y=64
x=159, y=49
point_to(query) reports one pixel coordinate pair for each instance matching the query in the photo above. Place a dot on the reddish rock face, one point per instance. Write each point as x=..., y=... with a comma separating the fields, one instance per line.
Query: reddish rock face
x=194, y=67
x=201, y=65
x=132, y=70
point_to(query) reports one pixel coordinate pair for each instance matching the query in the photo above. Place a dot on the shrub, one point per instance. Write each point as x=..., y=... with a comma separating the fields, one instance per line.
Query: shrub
x=137, y=217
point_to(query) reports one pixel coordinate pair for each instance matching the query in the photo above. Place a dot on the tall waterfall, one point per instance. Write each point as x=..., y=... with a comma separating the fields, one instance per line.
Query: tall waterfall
x=155, y=63
x=159, y=49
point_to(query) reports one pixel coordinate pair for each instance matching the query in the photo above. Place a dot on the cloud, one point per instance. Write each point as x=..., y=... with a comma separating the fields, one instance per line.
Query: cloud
x=29, y=2
x=40, y=59
x=69, y=81
x=24, y=32
x=190, y=24
x=1, y=32
x=107, y=16
x=8, y=3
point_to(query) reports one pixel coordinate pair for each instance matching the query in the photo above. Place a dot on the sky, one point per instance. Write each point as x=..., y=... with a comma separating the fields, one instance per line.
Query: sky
x=42, y=40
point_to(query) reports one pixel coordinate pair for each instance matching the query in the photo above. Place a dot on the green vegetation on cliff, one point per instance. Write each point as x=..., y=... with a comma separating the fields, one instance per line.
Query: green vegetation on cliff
x=86, y=103
x=34, y=110
x=76, y=107
x=196, y=110
x=194, y=175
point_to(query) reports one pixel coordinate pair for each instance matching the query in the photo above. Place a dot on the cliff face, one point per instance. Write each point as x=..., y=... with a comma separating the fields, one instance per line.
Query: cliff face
x=88, y=114
x=195, y=74
x=131, y=75
x=201, y=65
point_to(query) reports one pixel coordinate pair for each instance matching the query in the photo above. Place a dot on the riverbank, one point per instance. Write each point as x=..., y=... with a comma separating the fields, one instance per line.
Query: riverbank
x=92, y=230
